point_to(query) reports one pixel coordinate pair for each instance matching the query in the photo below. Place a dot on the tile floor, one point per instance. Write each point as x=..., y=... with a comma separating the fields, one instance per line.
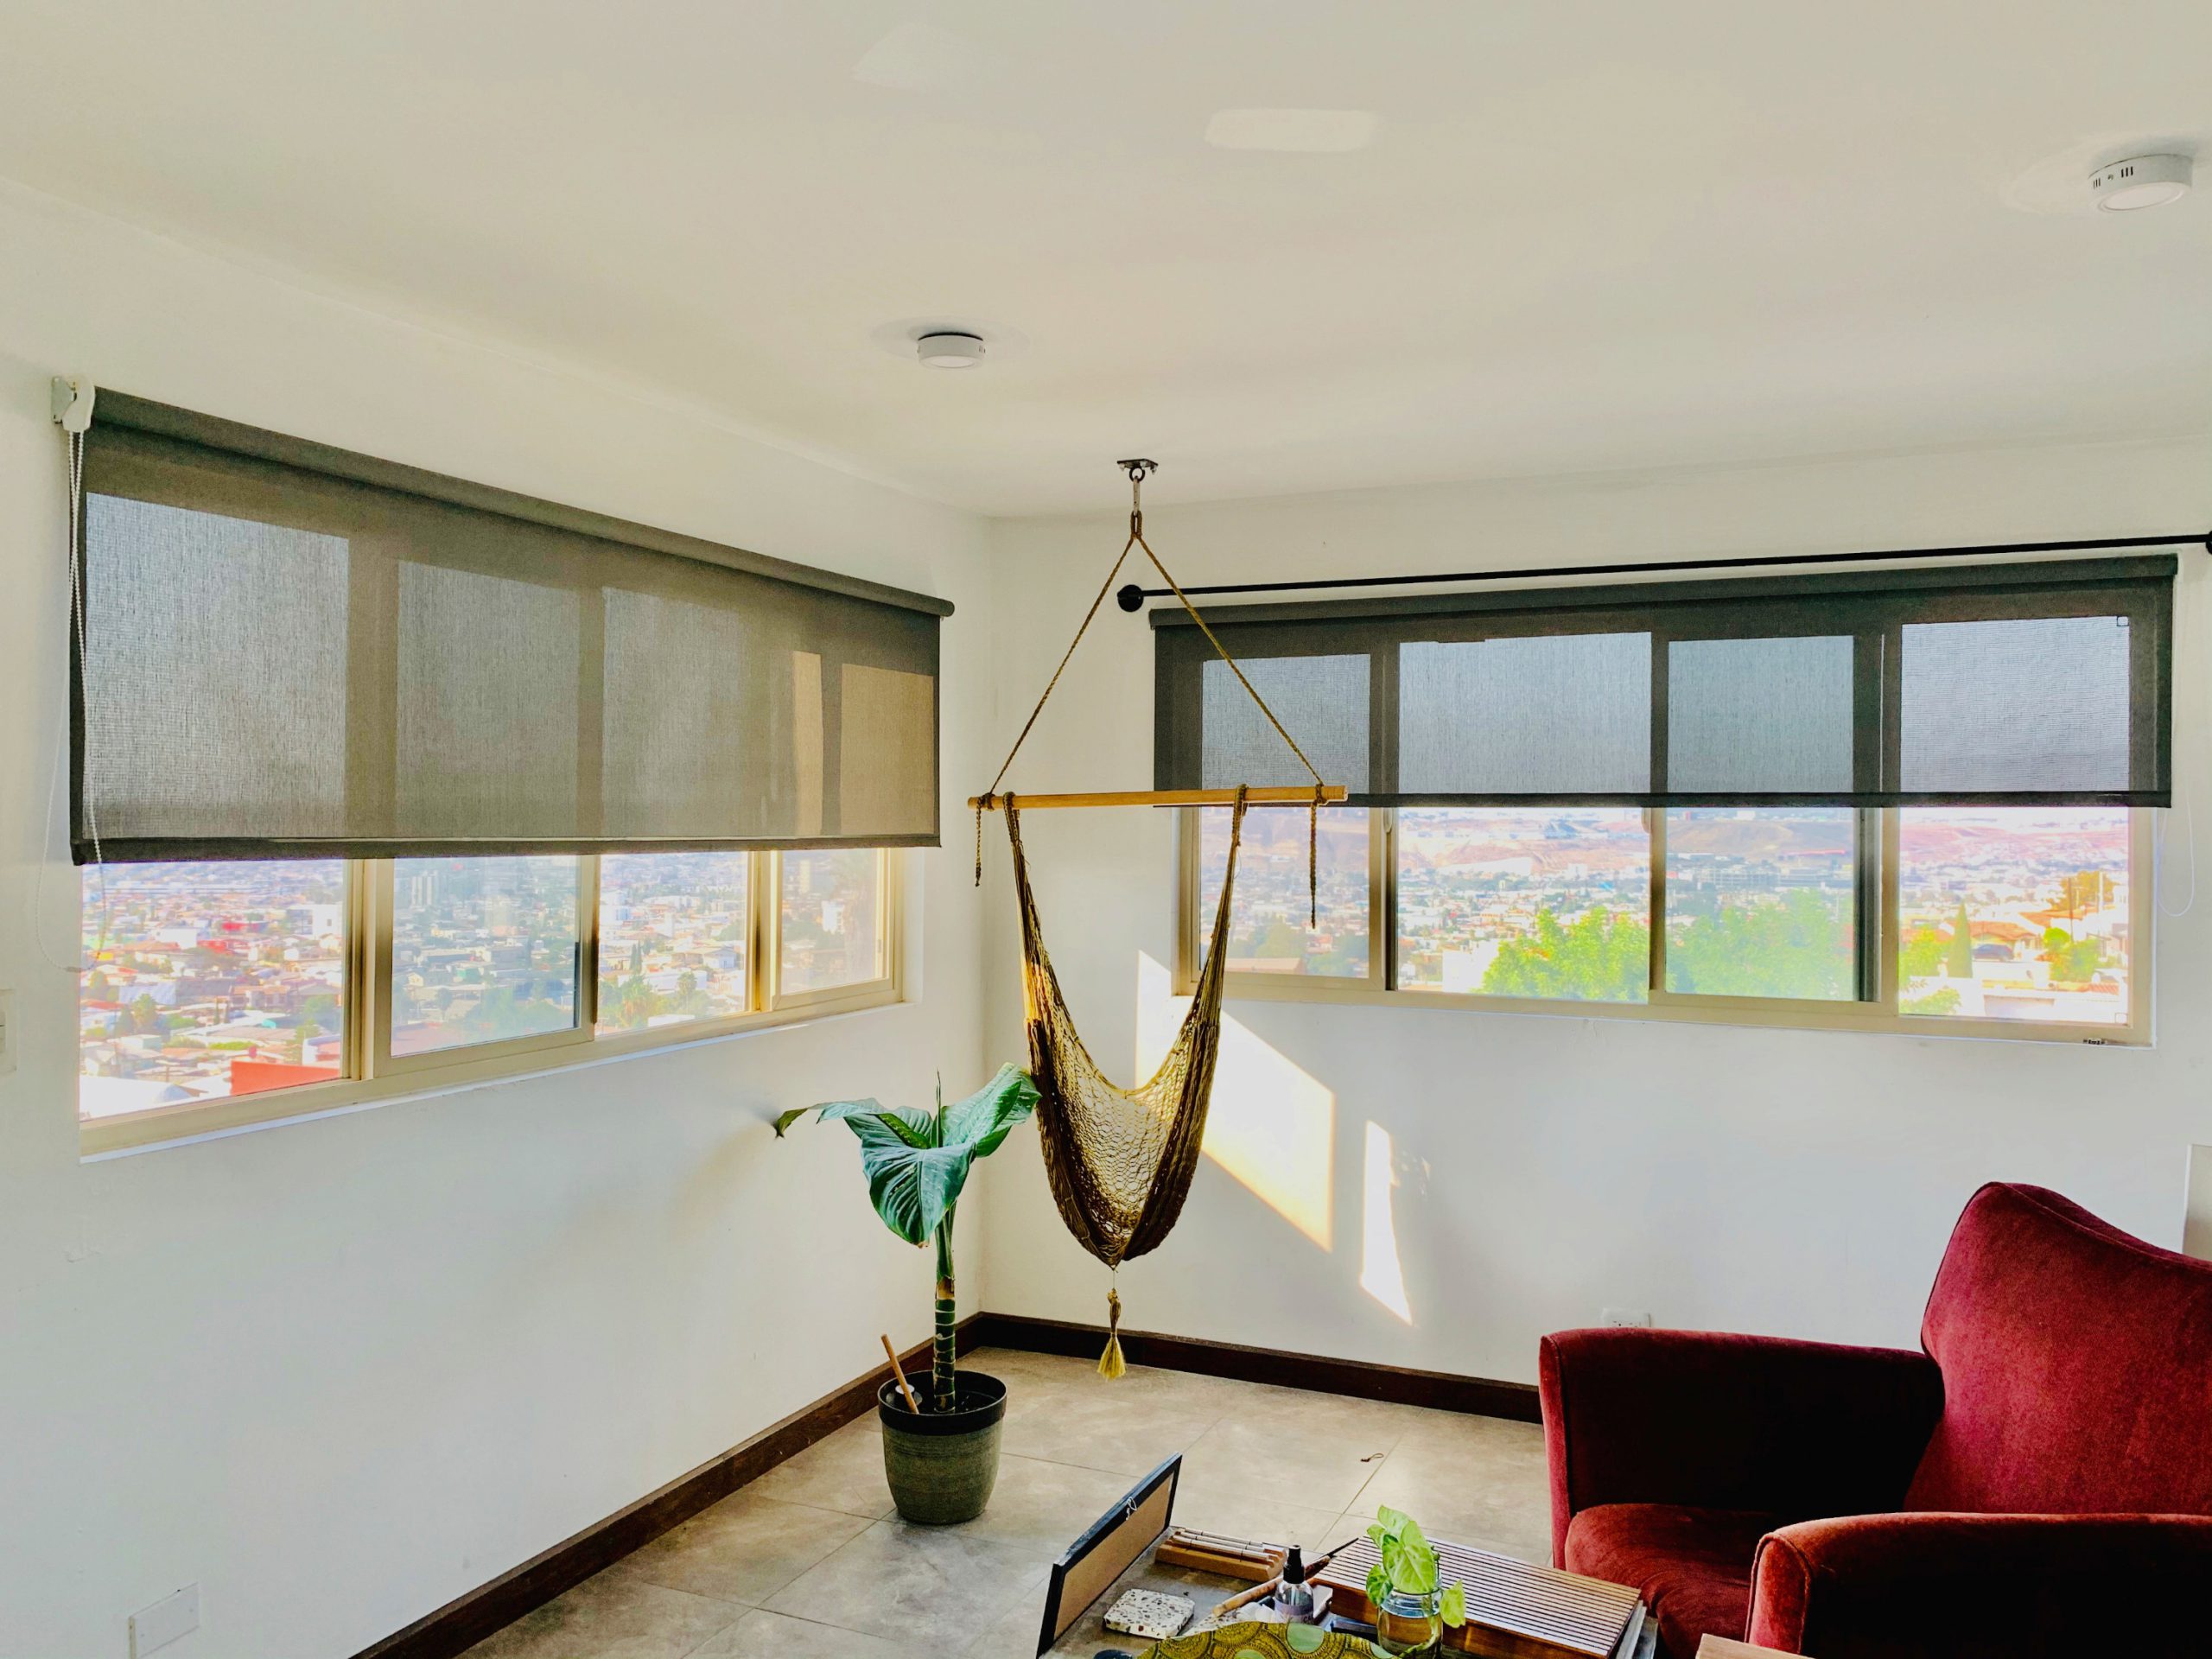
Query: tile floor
x=810, y=1561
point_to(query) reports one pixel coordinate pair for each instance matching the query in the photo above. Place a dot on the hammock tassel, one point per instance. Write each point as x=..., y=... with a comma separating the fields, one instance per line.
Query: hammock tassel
x=1110, y=1363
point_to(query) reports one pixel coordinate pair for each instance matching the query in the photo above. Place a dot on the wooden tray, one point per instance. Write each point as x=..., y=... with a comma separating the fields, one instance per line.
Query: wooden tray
x=1514, y=1610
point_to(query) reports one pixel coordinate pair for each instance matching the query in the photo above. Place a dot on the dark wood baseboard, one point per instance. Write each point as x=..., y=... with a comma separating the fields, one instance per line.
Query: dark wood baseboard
x=462, y=1622
x=1439, y=1390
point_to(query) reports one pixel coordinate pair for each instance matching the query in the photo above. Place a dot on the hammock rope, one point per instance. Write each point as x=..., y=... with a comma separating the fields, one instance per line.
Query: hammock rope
x=1121, y=1161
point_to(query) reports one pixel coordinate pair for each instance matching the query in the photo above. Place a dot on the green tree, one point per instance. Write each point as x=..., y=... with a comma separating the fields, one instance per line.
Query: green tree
x=144, y=1016
x=1920, y=956
x=2072, y=960
x=1958, y=964
x=1798, y=946
x=1945, y=1000
x=99, y=988
x=1603, y=956
x=319, y=1013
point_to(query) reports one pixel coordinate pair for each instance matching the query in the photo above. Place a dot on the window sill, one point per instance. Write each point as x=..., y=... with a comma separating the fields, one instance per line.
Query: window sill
x=126, y=1134
x=1732, y=1011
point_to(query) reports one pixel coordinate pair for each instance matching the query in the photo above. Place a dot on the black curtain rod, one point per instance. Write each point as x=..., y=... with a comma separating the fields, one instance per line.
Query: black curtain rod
x=1131, y=597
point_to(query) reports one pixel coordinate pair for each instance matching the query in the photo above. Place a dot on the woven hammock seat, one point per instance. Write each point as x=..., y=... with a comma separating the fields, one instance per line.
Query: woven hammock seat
x=1121, y=1161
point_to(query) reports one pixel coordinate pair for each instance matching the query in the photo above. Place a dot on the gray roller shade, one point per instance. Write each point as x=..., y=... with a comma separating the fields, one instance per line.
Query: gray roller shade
x=2045, y=682
x=292, y=652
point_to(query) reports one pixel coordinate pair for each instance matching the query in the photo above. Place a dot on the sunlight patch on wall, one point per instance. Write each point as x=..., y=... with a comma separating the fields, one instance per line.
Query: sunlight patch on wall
x=1272, y=1125
x=1380, y=1274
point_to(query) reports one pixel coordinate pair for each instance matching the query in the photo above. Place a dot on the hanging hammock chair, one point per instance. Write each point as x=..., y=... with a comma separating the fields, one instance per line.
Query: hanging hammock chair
x=1121, y=1161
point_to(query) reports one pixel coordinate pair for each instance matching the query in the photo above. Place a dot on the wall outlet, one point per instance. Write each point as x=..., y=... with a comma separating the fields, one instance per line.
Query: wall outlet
x=174, y=1615
x=1624, y=1316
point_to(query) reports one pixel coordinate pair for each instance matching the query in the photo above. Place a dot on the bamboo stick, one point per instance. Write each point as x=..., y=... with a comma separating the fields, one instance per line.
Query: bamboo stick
x=892, y=1354
x=1292, y=796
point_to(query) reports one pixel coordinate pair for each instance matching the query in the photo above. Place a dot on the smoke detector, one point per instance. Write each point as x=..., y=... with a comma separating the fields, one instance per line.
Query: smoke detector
x=949, y=350
x=2139, y=181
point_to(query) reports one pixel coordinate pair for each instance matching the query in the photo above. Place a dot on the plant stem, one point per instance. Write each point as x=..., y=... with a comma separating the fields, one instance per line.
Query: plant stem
x=941, y=1356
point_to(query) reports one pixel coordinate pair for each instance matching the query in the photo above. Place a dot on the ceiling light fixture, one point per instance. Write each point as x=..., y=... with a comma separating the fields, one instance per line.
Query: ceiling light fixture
x=2139, y=181
x=950, y=351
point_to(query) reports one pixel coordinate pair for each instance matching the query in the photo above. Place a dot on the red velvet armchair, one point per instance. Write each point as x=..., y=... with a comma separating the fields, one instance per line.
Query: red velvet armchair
x=2037, y=1482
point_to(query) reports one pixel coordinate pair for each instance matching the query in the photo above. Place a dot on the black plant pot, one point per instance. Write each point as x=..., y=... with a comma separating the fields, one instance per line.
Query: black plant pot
x=942, y=1465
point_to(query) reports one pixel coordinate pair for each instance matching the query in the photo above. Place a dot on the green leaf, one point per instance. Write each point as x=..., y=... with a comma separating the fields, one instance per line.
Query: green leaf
x=1454, y=1609
x=1393, y=1523
x=987, y=1117
x=877, y=1125
x=1378, y=1584
x=911, y=1187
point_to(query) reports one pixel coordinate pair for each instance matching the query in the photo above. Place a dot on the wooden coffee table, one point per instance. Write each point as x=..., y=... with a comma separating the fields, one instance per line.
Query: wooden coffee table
x=1089, y=1635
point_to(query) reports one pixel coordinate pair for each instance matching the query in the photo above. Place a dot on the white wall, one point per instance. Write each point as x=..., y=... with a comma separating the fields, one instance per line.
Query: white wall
x=1547, y=1167
x=339, y=1372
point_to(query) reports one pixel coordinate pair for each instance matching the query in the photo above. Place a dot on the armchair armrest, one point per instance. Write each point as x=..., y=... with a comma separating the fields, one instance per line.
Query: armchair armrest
x=1793, y=1428
x=1979, y=1586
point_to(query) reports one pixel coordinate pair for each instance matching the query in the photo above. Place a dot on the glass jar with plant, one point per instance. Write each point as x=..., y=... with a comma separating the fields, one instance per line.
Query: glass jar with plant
x=942, y=1460
x=1411, y=1608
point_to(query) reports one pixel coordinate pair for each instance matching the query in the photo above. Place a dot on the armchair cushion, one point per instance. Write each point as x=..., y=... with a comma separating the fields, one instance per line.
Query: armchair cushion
x=1697, y=1420
x=1983, y=1586
x=1693, y=1566
x=2077, y=1366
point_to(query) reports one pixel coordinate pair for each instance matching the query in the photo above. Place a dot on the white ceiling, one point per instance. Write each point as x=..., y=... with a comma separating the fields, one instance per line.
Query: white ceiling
x=1586, y=236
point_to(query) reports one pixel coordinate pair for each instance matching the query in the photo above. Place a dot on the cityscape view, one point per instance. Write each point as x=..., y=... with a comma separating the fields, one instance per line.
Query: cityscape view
x=483, y=950
x=672, y=938
x=2017, y=913
x=826, y=919
x=207, y=979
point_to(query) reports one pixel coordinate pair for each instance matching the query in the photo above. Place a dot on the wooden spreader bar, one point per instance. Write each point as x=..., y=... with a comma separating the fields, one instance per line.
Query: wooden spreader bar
x=1286, y=796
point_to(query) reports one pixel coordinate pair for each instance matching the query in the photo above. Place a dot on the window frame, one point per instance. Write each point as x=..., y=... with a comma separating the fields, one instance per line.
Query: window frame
x=374, y=1074
x=1881, y=845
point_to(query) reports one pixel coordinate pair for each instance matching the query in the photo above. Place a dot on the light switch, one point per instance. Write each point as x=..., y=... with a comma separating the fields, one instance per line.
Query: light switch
x=174, y=1615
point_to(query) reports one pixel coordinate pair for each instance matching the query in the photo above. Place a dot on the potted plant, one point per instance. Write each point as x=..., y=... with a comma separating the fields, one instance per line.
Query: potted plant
x=943, y=1461
x=1411, y=1608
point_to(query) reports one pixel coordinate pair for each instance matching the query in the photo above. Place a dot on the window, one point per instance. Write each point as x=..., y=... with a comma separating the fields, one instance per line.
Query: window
x=483, y=950
x=675, y=938
x=1763, y=902
x=207, y=982
x=2016, y=913
x=219, y=994
x=1856, y=799
x=1273, y=903
x=826, y=934
x=1506, y=902
x=1991, y=921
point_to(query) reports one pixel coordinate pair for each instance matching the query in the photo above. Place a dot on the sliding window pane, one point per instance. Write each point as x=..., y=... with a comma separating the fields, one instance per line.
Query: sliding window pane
x=1270, y=911
x=673, y=938
x=2015, y=913
x=483, y=950
x=1533, y=902
x=205, y=980
x=1763, y=902
x=828, y=925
